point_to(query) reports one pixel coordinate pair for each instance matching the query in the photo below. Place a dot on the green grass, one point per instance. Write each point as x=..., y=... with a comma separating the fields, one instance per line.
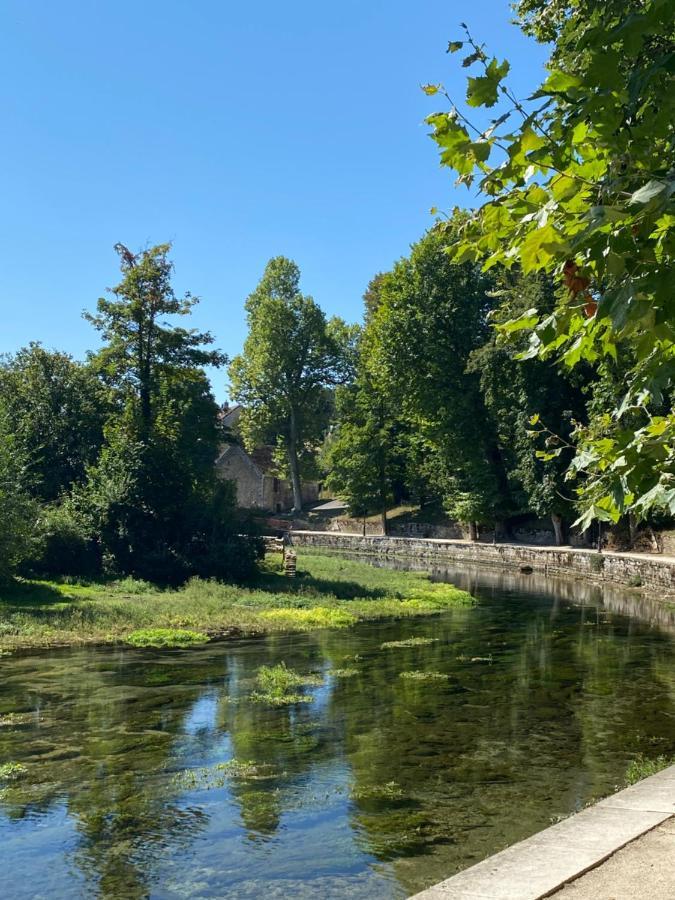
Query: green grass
x=642, y=767
x=328, y=592
x=165, y=637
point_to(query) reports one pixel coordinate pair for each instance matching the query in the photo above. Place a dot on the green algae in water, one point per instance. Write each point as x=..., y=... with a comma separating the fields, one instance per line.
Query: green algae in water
x=157, y=774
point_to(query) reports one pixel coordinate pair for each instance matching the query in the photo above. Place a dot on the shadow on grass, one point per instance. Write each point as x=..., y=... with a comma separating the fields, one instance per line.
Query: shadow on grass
x=306, y=584
x=20, y=595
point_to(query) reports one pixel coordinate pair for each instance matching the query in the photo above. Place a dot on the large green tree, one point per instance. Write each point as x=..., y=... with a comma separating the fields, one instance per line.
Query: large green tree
x=291, y=356
x=57, y=407
x=19, y=512
x=142, y=352
x=430, y=317
x=578, y=182
x=152, y=504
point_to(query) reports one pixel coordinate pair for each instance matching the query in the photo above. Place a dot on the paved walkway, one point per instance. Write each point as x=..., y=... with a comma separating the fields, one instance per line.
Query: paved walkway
x=643, y=870
x=544, y=863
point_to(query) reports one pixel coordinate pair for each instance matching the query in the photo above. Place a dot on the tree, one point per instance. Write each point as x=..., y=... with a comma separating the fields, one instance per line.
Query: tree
x=430, y=316
x=290, y=357
x=578, y=183
x=19, y=512
x=151, y=504
x=141, y=352
x=519, y=394
x=58, y=408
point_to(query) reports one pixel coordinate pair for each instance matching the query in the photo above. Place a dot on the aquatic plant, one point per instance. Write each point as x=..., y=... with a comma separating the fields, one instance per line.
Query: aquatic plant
x=642, y=767
x=12, y=771
x=344, y=673
x=9, y=719
x=408, y=642
x=165, y=637
x=389, y=791
x=210, y=777
x=424, y=676
x=276, y=683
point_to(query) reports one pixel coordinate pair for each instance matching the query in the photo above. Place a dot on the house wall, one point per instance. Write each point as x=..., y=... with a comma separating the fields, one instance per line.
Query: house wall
x=249, y=484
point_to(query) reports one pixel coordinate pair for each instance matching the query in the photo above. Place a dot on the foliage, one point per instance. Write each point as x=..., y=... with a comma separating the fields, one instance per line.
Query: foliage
x=291, y=357
x=12, y=771
x=315, y=617
x=19, y=513
x=577, y=183
x=58, y=408
x=430, y=317
x=165, y=637
x=151, y=504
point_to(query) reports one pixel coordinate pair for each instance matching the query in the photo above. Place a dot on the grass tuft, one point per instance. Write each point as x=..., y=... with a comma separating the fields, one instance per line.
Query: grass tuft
x=165, y=637
x=276, y=684
x=12, y=771
x=642, y=767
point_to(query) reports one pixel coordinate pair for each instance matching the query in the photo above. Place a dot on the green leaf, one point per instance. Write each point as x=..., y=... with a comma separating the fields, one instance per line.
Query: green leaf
x=431, y=89
x=526, y=321
x=483, y=90
x=454, y=46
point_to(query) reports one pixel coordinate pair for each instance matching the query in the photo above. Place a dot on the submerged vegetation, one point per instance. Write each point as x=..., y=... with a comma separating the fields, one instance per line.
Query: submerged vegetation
x=328, y=592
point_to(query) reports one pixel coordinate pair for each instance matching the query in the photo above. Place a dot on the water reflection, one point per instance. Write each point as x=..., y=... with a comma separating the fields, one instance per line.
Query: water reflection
x=154, y=774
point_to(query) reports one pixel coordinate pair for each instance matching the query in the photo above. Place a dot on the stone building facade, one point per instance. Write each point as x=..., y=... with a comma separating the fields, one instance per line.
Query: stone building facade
x=257, y=485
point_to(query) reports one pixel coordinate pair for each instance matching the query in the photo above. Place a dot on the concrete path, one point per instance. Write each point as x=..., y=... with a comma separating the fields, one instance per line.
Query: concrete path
x=545, y=862
x=644, y=870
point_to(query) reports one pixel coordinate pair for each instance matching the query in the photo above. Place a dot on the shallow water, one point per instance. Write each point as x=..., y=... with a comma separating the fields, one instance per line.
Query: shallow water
x=378, y=787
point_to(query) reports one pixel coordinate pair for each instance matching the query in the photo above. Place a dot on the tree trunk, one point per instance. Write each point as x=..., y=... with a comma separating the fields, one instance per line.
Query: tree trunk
x=473, y=531
x=558, y=528
x=294, y=465
x=632, y=529
x=383, y=518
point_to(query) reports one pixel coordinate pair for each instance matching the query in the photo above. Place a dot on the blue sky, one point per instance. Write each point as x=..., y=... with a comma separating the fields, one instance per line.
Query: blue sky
x=238, y=131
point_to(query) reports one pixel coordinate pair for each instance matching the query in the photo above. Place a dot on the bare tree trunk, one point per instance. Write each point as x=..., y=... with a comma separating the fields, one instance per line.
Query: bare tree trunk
x=558, y=528
x=473, y=531
x=293, y=464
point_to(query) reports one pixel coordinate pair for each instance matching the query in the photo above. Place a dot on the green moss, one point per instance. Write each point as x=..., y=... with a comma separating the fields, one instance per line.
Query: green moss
x=165, y=637
x=344, y=673
x=389, y=791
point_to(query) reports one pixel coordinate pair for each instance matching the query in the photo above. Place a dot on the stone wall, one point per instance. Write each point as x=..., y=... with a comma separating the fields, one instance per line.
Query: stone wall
x=630, y=569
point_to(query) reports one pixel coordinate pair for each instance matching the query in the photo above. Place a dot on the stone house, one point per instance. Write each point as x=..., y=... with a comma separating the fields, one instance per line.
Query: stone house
x=257, y=485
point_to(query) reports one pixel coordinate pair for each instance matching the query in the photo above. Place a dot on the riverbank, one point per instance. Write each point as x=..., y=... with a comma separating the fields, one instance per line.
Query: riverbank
x=634, y=570
x=328, y=592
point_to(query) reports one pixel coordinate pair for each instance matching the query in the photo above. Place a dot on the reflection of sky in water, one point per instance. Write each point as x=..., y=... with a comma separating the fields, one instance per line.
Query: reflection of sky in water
x=378, y=787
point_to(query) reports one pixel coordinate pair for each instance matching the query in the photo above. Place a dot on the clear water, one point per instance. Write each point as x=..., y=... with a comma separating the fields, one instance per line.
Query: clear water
x=379, y=787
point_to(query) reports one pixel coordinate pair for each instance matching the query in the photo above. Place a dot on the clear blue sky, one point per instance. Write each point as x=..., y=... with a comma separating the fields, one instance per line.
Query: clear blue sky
x=239, y=131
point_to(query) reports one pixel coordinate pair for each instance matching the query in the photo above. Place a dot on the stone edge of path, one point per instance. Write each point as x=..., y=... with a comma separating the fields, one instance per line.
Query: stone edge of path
x=544, y=863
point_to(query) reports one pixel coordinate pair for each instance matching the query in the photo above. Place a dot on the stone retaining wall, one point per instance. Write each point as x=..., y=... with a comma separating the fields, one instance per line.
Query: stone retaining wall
x=631, y=569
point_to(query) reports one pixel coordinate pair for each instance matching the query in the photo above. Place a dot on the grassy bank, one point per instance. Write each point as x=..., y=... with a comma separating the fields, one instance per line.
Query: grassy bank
x=328, y=592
